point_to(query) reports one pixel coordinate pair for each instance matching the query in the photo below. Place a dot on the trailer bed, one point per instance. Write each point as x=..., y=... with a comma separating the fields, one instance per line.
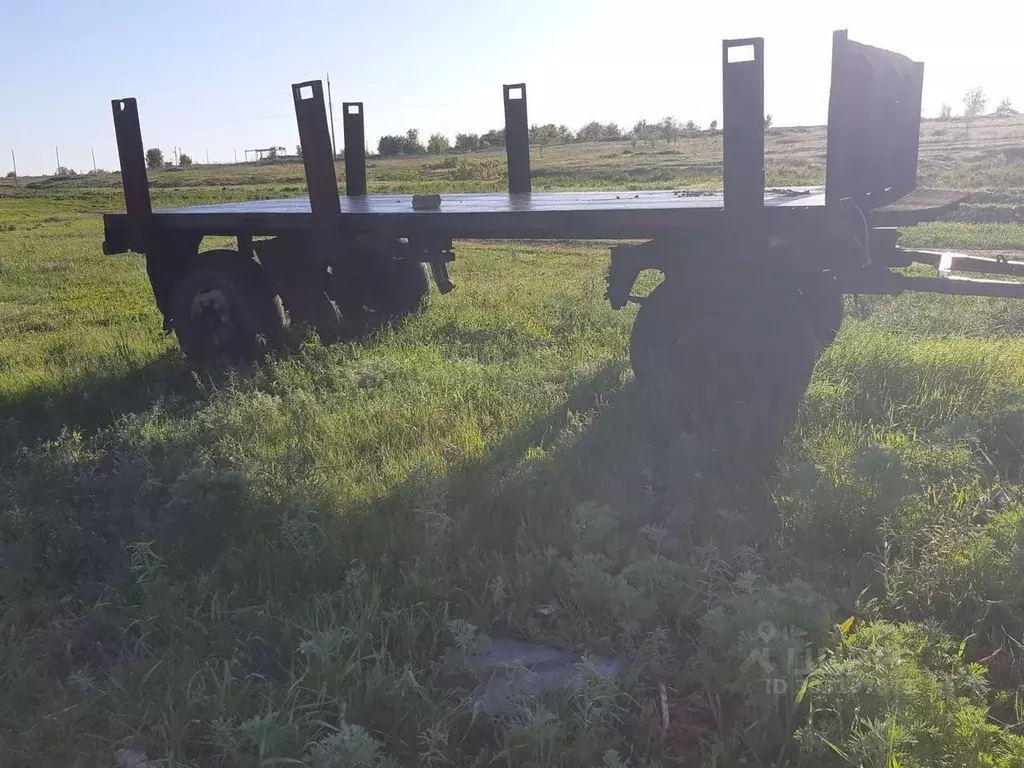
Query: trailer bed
x=501, y=215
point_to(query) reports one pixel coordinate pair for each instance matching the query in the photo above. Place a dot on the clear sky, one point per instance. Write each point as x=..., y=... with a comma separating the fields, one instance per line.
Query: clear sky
x=215, y=74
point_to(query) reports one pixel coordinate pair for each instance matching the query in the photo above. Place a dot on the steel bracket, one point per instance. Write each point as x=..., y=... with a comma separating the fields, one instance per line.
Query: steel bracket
x=626, y=264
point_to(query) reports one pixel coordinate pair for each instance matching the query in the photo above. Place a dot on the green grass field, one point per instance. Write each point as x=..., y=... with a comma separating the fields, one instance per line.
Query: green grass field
x=271, y=566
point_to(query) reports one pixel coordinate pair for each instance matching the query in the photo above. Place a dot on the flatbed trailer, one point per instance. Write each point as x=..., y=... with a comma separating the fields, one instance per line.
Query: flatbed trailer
x=754, y=278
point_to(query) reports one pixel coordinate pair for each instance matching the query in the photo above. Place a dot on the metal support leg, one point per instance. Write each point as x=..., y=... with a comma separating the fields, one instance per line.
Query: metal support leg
x=517, y=139
x=304, y=277
x=355, y=148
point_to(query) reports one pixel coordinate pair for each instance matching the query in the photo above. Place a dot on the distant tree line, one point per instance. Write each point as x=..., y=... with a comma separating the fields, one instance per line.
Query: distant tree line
x=155, y=158
x=668, y=129
x=975, y=101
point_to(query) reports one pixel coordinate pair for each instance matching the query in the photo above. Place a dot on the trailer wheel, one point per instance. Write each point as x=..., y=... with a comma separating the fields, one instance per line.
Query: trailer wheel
x=224, y=309
x=398, y=289
x=391, y=290
x=824, y=301
x=726, y=358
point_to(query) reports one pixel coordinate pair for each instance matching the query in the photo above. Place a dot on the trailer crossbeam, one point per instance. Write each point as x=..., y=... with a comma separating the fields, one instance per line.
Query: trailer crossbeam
x=947, y=262
x=880, y=280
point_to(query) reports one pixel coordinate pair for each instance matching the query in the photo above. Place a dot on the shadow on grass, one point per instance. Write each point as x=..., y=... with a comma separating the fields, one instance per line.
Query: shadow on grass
x=134, y=537
x=608, y=446
x=92, y=400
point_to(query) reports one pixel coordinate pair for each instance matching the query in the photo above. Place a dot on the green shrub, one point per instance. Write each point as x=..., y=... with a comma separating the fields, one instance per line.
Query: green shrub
x=900, y=695
x=968, y=574
x=760, y=642
x=477, y=170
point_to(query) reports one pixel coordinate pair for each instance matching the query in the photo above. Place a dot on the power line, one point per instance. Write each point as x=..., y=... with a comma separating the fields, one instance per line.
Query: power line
x=330, y=107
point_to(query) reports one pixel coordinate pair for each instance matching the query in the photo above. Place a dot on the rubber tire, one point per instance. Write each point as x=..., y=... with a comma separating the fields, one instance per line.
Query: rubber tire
x=400, y=289
x=255, y=313
x=727, y=358
x=824, y=301
x=290, y=267
x=393, y=289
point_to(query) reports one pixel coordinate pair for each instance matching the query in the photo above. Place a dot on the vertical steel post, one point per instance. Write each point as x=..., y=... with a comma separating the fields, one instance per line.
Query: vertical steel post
x=302, y=278
x=743, y=123
x=317, y=155
x=743, y=143
x=517, y=139
x=837, y=177
x=132, y=156
x=353, y=128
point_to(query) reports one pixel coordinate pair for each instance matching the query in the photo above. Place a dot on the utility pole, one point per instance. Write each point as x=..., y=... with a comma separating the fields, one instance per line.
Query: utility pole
x=330, y=108
x=207, y=155
x=55, y=149
x=14, y=162
x=94, y=161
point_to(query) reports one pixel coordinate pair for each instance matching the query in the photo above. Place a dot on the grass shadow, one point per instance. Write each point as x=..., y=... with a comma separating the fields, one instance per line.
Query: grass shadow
x=91, y=400
x=607, y=447
x=160, y=556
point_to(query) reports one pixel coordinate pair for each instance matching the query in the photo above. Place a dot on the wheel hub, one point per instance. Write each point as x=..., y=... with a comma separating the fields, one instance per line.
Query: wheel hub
x=211, y=314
